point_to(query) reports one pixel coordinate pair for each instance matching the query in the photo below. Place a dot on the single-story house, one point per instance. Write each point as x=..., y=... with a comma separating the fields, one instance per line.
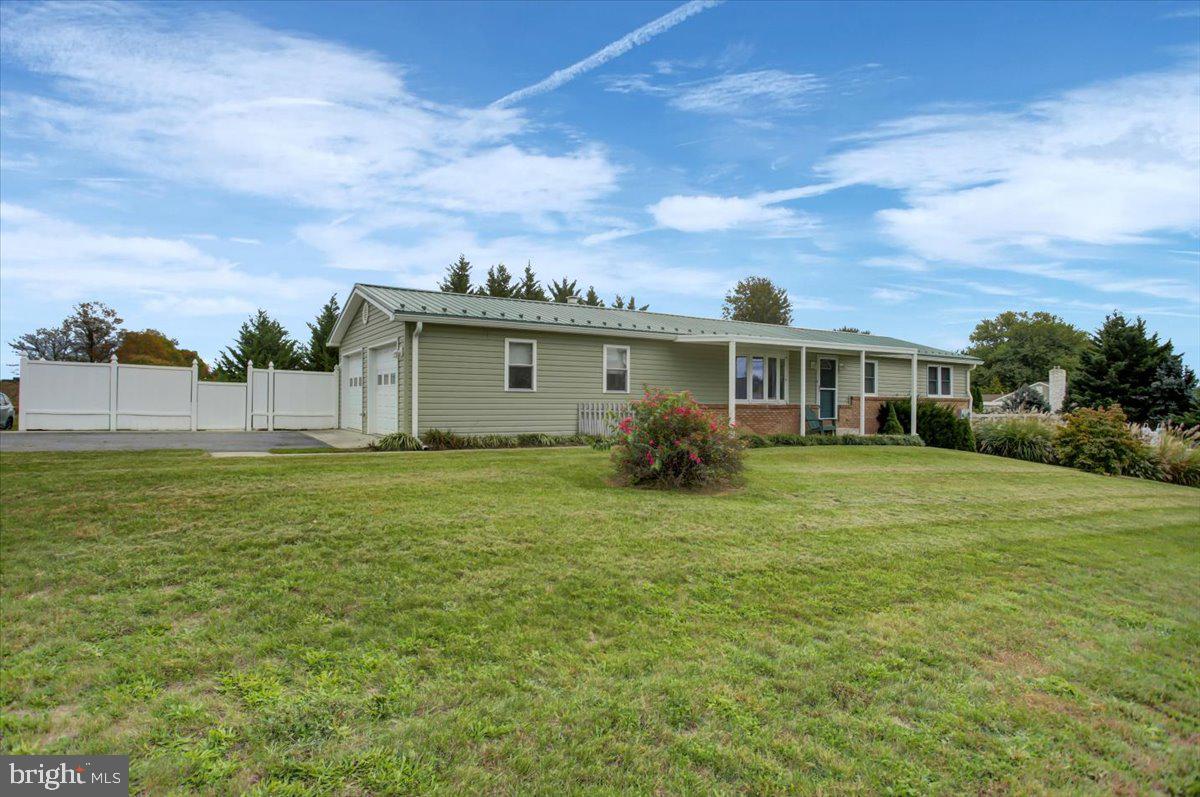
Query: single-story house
x=1054, y=391
x=414, y=360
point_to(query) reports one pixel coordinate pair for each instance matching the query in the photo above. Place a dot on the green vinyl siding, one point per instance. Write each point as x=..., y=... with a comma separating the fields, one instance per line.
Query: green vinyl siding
x=461, y=378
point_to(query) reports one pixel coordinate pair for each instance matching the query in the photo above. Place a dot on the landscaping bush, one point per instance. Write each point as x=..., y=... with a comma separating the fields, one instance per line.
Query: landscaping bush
x=892, y=424
x=669, y=440
x=1100, y=441
x=443, y=440
x=1019, y=438
x=937, y=424
x=396, y=441
x=1025, y=399
x=1176, y=455
x=844, y=440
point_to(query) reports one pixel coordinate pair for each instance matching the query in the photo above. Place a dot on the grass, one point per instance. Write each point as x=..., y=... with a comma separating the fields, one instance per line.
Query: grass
x=855, y=620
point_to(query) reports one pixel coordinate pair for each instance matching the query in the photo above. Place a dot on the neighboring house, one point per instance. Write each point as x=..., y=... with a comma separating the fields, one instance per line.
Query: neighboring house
x=413, y=360
x=1054, y=391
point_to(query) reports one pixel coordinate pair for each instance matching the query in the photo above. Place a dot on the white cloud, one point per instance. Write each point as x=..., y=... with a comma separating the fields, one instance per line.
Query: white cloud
x=893, y=295
x=708, y=213
x=610, y=51
x=64, y=260
x=1110, y=164
x=216, y=100
x=751, y=94
x=769, y=90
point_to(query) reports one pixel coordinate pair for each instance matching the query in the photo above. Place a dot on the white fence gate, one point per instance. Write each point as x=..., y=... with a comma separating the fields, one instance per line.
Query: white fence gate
x=111, y=396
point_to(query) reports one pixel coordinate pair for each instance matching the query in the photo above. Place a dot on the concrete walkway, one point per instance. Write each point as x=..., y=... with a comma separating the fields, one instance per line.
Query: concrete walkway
x=342, y=438
x=148, y=441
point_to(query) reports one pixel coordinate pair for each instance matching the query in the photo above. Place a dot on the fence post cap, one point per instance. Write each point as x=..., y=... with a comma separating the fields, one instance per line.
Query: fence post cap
x=271, y=364
x=195, y=362
x=113, y=358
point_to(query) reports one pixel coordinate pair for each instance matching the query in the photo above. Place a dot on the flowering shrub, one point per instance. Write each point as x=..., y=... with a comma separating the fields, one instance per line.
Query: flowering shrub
x=671, y=441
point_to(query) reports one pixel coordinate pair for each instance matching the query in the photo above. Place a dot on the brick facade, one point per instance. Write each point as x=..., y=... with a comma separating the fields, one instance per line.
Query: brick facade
x=763, y=418
x=785, y=418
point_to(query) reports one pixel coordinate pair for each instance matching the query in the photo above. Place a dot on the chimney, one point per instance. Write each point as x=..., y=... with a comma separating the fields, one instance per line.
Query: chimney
x=573, y=299
x=1058, y=388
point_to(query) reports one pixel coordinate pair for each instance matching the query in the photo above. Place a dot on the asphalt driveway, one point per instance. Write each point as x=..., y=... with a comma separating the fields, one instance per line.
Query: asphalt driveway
x=146, y=441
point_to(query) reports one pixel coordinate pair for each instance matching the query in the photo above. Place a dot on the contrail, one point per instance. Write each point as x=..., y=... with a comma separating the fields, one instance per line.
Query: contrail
x=611, y=51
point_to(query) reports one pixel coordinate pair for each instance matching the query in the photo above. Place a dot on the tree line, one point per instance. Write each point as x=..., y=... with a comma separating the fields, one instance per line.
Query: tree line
x=93, y=333
x=500, y=282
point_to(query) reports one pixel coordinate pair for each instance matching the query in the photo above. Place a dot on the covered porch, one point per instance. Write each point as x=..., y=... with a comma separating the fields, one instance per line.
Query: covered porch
x=779, y=387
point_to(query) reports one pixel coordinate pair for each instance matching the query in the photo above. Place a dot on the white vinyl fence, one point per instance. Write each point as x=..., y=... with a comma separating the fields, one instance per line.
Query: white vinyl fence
x=113, y=397
x=601, y=417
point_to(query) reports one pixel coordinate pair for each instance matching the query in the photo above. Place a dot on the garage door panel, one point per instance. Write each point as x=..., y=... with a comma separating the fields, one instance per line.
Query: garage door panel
x=351, y=391
x=383, y=383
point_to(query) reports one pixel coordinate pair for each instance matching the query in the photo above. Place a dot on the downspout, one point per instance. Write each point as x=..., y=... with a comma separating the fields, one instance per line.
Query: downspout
x=416, y=350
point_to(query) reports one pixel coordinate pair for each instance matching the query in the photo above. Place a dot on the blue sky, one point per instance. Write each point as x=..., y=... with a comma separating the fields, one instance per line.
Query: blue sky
x=905, y=168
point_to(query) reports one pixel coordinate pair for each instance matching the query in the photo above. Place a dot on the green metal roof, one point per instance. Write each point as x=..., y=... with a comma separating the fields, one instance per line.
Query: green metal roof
x=450, y=306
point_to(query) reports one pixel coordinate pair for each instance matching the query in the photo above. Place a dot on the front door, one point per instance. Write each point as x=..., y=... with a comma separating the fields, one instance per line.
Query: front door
x=383, y=382
x=827, y=387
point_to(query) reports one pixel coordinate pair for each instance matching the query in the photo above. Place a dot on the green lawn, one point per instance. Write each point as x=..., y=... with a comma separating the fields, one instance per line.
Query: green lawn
x=858, y=620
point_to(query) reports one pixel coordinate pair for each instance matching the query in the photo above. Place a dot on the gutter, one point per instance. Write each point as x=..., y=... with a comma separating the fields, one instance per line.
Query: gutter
x=416, y=351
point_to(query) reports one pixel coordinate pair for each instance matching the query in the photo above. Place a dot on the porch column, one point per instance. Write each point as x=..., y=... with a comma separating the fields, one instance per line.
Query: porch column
x=862, y=392
x=803, y=391
x=912, y=412
x=732, y=382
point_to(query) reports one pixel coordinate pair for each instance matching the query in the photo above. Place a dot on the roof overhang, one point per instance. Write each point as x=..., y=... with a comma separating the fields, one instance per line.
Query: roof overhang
x=353, y=301
x=796, y=343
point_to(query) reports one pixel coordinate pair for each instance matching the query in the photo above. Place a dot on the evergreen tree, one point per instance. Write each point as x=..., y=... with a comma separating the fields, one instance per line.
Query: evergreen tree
x=855, y=330
x=530, y=288
x=458, y=276
x=561, y=290
x=1173, y=393
x=1020, y=348
x=620, y=303
x=592, y=299
x=1121, y=367
x=260, y=341
x=318, y=356
x=758, y=299
x=892, y=424
x=499, y=282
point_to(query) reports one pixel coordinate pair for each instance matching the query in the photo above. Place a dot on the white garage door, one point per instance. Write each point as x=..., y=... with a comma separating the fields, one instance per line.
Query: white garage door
x=383, y=382
x=352, y=392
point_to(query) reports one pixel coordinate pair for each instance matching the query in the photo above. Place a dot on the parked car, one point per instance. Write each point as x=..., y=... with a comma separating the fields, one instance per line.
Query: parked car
x=6, y=412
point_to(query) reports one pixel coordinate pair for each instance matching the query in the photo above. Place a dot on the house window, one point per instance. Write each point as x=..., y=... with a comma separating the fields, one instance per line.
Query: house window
x=772, y=378
x=756, y=379
x=616, y=369
x=739, y=382
x=870, y=375
x=520, y=365
x=940, y=382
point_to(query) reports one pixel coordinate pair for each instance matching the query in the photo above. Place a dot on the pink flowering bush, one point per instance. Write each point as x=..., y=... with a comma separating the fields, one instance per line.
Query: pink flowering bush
x=671, y=441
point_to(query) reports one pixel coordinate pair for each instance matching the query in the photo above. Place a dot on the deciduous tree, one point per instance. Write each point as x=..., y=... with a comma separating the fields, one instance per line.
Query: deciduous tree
x=151, y=347
x=758, y=299
x=1020, y=348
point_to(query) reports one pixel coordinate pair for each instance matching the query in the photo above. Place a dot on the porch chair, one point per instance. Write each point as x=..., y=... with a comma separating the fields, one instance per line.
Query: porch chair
x=816, y=425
